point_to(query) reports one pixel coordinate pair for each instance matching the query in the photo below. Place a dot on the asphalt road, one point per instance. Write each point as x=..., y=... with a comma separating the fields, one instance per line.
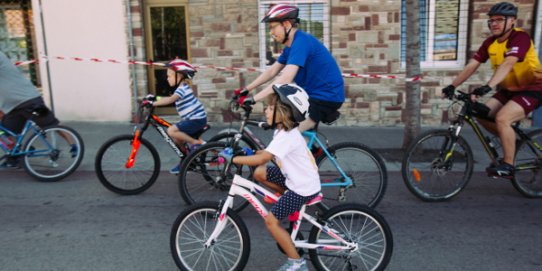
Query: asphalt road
x=77, y=224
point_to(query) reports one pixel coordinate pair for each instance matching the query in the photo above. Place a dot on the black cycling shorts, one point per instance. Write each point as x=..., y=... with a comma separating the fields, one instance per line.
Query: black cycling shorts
x=16, y=118
x=322, y=110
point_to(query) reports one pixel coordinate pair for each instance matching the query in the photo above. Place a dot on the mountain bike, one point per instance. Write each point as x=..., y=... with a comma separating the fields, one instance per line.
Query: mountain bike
x=129, y=164
x=49, y=154
x=212, y=236
x=350, y=172
x=439, y=164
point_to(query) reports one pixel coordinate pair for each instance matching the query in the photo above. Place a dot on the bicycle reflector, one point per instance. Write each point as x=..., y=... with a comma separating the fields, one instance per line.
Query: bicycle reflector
x=417, y=175
x=135, y=147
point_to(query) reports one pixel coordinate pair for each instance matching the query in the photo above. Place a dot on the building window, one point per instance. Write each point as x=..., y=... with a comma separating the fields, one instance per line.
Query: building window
x=443, y=33
x=314, y=17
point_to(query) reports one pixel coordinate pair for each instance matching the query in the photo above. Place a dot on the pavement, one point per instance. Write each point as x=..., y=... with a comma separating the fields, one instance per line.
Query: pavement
x=387, y=141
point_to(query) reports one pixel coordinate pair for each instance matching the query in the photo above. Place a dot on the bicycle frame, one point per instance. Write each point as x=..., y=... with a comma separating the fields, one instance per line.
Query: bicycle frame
x=29, y=127
x=465, y=115
x=245, y=188
x=160, y=125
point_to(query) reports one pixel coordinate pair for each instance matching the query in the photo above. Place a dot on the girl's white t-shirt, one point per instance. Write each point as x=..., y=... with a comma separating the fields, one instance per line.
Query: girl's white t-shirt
x=295, y=162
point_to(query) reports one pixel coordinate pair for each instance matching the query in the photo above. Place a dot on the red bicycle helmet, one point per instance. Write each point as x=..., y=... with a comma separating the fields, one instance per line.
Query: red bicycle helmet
x=183, y=67
x=281, y=12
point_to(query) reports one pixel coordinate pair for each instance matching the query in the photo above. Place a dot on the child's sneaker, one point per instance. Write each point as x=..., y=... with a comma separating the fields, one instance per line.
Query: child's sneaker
x=294, y=265
x=176, y=169
x=194, y=147
x=73, y=150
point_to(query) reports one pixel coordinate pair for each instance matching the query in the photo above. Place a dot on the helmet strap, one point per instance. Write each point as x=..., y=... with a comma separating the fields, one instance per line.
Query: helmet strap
x=286, y=33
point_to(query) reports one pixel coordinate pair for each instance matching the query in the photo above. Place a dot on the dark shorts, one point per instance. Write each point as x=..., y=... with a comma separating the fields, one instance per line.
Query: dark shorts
x=16, y=118
x=320, y=110
x=191, y=127
x=290, y=202
x=529, y=100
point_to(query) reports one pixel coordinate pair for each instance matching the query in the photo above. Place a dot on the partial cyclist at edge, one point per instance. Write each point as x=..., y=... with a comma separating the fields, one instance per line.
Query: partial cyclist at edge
x=517, y=80
x=305, y=61
x=190, y=109
x=18, y=97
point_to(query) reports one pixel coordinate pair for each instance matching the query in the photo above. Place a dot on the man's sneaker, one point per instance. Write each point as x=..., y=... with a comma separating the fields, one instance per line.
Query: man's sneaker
x=10, y=163
x=294, y=265
x=504, y=170
x=175, y=170
x=73, y=150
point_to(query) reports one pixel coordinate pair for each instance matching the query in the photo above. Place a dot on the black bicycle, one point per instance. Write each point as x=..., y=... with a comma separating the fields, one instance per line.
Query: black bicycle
x=129, y=164
x=439, y=164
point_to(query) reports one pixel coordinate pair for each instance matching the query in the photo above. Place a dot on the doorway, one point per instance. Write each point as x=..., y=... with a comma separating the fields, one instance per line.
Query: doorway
x=167, y=38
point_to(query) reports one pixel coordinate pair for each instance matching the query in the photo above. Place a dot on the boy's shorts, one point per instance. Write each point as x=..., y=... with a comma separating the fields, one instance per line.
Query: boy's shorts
x=16, y=118
x=191, y=127
x=290, y=202
x=319, y=110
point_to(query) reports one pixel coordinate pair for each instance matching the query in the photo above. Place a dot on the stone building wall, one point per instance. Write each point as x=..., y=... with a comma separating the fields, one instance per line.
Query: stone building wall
x=365, y=39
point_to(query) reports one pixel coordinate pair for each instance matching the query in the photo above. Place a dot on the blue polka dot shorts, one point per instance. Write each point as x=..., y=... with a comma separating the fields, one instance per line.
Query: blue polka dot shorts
x=290, y=202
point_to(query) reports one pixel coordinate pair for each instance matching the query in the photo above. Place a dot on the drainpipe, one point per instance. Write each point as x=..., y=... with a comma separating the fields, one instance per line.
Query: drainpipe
x=46, y=62
x=132, y=53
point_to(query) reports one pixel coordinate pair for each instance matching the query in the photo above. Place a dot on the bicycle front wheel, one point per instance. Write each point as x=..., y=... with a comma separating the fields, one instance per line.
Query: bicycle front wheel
x=361, y=164
x=201, y=179
x=528, y=177
x=54, y=153
x=354, y=223
x=435, y=169
x=117, y=174
x=229, y=251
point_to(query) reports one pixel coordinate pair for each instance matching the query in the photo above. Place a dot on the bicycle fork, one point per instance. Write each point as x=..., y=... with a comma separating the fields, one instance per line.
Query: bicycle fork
x=135, y=147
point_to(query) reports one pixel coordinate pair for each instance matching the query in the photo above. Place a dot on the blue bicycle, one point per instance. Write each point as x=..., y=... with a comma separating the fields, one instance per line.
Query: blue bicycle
x=350, y=172
x=48, y=154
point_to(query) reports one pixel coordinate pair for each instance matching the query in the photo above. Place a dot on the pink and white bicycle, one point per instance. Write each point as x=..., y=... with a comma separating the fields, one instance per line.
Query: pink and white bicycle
x=211, y=236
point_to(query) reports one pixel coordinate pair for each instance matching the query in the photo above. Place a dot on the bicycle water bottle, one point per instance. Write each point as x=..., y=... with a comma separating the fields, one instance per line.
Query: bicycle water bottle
x=5, y=141
x=492, y=146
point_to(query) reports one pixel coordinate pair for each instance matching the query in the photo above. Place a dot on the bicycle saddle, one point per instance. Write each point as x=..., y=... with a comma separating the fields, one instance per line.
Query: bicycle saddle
x=200, y=132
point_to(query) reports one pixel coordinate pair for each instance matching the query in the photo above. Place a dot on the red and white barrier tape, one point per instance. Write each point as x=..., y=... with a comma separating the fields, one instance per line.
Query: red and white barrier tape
x=149, y=63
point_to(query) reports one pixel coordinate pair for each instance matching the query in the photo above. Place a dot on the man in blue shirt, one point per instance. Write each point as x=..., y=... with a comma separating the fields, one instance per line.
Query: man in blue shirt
x=305, y=61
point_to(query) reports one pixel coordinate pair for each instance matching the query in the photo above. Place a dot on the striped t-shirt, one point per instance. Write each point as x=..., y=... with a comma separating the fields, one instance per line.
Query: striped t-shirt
x=188, y=106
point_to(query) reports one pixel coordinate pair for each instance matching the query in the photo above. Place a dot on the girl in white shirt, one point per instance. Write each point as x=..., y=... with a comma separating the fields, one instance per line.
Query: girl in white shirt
x=296, y=176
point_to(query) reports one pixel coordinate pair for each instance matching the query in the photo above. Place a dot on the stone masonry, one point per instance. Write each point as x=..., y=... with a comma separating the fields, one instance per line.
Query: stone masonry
x=365, y=39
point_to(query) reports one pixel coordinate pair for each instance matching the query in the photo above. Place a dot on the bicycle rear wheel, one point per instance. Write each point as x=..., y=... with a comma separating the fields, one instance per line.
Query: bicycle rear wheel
x=528, y=177
x=230, y=251
x=354, y=223
x=426, y=173
x=114, y=172
x=54, y=153
x=363, y=165
x=200, y=177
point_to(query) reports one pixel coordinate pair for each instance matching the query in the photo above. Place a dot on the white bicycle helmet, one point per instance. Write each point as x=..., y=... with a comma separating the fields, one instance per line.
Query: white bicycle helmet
x=296, y=98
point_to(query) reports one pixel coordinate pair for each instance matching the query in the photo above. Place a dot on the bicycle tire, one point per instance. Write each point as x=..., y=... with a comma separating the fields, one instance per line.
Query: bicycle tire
x=200, y=176
x=192, y=228
x=528, y=176
x=57, y=163
x=227, y=137
x=363, y=165
x=110, y=165
x=353, y=222
x=426, y=177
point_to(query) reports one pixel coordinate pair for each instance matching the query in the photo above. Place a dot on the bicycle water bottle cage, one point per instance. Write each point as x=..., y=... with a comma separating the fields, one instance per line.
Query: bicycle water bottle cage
x=331, y=118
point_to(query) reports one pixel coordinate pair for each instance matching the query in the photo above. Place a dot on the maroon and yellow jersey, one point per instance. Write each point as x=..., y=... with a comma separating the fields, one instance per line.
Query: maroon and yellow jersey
x=526, y=73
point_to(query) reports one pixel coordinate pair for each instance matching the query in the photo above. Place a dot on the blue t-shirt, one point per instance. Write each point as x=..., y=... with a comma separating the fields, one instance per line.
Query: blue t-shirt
x=318, y=72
